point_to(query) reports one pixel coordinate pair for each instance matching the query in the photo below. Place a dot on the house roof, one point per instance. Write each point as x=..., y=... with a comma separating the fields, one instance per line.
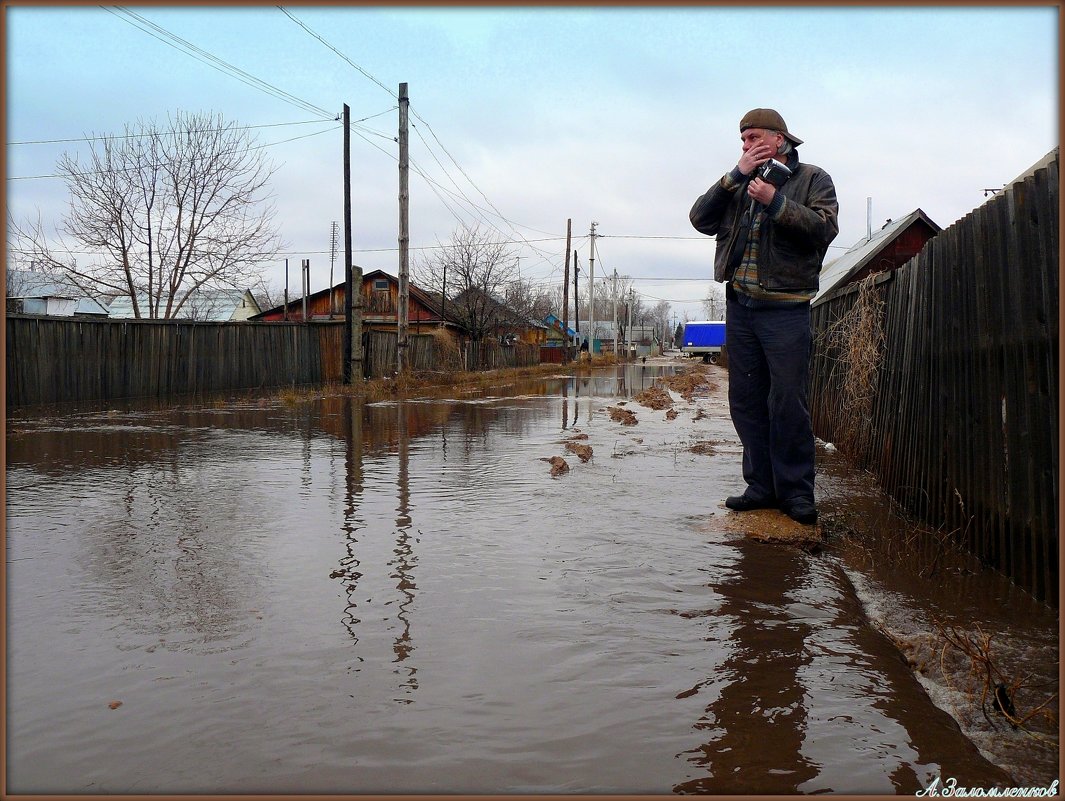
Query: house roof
x=427, y=299
x=210, y=305
x=28, y=284
x=837, y=272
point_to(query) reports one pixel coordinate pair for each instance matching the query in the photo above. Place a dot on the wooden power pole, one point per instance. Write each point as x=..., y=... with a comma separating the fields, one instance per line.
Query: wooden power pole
x=591, y=293
x=404, y=232
x=353, y=368
x=565, y=296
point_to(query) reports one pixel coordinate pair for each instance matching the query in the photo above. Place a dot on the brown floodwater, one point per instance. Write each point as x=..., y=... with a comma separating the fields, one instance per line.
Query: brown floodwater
x=249, y=595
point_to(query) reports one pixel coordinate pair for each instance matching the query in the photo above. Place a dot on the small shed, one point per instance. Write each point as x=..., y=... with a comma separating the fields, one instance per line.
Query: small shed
x=29, y=292
x=893, y=245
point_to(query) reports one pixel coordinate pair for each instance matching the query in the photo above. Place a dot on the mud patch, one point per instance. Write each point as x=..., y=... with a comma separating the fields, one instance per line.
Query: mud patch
x=769, y=526
x=671, y=414
x=704, y=448
x=623, y=416
x=655, y=398
x=559, y=466
x=582, y=452
x=691, y=382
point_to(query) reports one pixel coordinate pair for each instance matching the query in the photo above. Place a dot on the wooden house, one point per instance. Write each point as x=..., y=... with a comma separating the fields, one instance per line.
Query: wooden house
x=885, y=250
x=380, y=307
x=491, y=317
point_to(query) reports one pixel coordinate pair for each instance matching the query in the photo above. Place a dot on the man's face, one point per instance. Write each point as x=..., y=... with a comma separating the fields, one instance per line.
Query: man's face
x=757, y=136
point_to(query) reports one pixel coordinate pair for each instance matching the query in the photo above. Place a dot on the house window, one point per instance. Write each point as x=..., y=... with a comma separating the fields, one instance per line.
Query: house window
x=380, y=283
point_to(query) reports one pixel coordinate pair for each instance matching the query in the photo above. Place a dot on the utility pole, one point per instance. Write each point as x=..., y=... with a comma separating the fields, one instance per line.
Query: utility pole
x=305, y=266
x=576, y=310
x=286, y=291
x=352, y=275
x=628, y=328
x=614, y=295
x=591, y=292
x=565, y=296
x=404, y=231
x=334, y=232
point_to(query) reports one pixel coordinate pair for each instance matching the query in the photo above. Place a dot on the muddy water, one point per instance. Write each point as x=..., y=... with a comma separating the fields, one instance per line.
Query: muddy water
x=330, y=597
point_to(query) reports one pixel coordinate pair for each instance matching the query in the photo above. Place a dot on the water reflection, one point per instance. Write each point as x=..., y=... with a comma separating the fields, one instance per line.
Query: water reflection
x=337, y=597
x=405, y=559
x=758, y=720
x=351, y=421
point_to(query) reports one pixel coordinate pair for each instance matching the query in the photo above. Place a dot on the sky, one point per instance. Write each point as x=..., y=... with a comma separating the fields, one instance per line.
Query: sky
x=523, y=118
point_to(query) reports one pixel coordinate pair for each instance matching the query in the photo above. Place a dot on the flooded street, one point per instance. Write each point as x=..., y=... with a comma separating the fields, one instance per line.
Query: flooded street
x=327, y=596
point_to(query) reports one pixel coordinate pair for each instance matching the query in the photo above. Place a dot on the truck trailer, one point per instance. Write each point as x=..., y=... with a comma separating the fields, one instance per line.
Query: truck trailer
x=704, y=338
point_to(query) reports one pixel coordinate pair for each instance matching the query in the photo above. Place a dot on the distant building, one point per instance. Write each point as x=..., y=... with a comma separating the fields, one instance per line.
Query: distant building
x=205, y=305
x=30, y=292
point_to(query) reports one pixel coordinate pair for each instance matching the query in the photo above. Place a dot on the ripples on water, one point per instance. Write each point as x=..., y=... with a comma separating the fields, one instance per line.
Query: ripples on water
x=399, y=598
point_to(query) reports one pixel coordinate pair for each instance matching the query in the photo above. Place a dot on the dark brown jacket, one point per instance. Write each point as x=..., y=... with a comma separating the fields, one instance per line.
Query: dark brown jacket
x=792, y=247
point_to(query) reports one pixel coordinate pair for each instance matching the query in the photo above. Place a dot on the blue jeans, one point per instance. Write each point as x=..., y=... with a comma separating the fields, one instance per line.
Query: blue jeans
x=769, y=371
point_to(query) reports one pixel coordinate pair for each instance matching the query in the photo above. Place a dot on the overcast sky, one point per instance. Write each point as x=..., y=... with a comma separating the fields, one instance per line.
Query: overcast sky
x=525, y=117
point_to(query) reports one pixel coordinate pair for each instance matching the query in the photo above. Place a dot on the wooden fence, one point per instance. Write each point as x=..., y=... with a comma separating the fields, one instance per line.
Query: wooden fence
x=66, y=360
x=958, y=418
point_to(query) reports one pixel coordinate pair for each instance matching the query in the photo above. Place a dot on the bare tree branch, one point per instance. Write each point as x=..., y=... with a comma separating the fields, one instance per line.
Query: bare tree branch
x=164, y=212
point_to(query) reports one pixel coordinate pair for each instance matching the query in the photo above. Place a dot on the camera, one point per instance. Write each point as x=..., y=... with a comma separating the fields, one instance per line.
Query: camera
x=773, y=172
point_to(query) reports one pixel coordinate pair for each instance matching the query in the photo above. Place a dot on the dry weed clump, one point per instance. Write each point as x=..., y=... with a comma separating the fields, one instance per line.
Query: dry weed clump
x=856, y=343
x=447, y=348
x=623, y=416
x=983, y=681
x=704, y=448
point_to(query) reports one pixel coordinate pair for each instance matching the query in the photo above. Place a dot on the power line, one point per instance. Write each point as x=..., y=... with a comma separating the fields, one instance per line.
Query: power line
x=108, y=137
x=211, y=60
x=160, y=164
x=417, y=116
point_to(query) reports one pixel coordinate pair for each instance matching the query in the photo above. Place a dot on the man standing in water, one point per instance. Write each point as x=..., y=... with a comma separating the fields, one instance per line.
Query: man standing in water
x=774, y=218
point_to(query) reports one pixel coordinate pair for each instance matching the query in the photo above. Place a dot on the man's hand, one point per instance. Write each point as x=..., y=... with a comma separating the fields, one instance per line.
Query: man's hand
x=755, y=157
x=761, y=191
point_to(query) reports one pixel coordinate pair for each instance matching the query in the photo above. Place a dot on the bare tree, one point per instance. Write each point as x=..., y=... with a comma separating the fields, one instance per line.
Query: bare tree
x=162, y=213
x=472, y=272
x=714, y=303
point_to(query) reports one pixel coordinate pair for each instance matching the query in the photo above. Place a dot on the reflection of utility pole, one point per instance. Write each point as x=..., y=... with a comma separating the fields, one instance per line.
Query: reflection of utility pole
x=404, y=231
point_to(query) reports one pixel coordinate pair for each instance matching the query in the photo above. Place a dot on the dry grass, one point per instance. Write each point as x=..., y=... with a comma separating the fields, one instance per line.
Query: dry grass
x=856, y=342
x=968, y=664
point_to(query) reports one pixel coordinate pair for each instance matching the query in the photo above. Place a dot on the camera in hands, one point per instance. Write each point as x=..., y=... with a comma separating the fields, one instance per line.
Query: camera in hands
x=773, y=172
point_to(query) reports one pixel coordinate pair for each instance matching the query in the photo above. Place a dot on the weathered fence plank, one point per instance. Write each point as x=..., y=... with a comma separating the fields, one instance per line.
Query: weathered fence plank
x=963, y=430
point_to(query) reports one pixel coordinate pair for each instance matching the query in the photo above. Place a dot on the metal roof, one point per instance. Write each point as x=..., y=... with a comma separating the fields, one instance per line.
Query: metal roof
x=28, y=284
x=209, y=305
x=838, y=271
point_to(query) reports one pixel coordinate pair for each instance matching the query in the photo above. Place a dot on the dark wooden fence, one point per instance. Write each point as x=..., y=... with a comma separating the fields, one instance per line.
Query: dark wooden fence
x=961, y=424
x=61, y=360
x=64, y=360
